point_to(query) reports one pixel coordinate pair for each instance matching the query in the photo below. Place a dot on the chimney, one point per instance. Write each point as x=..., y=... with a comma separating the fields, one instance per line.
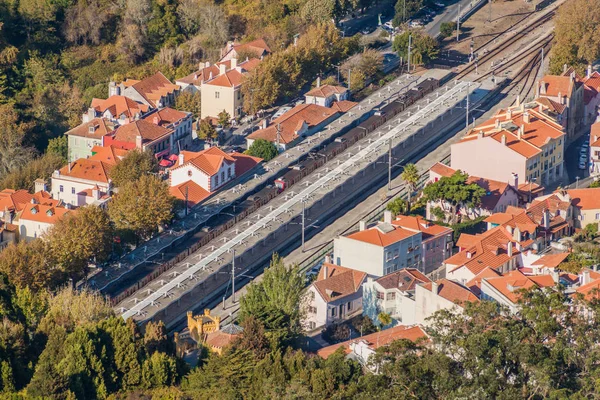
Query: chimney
x=138, y=141
x=510, y=249
x=585, y=277
x=521, y=131
x=39, y=185
x=155, y=120
x=480, y=135
x=328, y=258
x=469, y=255
x=264, y=123
x=318, y=81
x=540, y=109
x=181, y=158
x=234, y=63
x=526, y=117
x=362, y=225
x=542, y=87
x=565, y=67
x=546, y=219
x=96, y=193
x=206, y=64
x=589, y=70
x=195, y=77
x=509, y=113
x=504, y=140
x=518, y=101
x=560, y=98
x=324, y=268
x=497, y=124
x=515, y=180
x=434, y=287
x=222, y=69
x=555, y=276
x=387, y=216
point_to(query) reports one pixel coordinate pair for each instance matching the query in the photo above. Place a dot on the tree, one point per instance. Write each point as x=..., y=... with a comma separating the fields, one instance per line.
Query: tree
x=141, y=206
x=134, y=165
x=24, y=176
x=155, y=338
x=13, y=154
x=79, y=238
x=263, y=149
x=370, y=62
x=276, y=300
x=59, y=146
x=398, y=206
x=84, y=21
x=411, y=7
x=224, y=119
x=424, y=48
x=188, y=101
x=447, y=28
x=206, y=130
x=454, y=191
x=159, y=370
x=314, y=11
x=410, y=176
x=28, y=265
x=384, y=319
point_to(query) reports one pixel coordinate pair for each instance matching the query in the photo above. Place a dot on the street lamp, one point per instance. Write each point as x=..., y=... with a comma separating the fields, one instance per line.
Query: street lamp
x=576, y=182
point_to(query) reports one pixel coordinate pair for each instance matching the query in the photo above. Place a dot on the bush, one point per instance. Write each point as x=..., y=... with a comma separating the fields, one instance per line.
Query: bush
x=446, y=29
x=262, y=148
x=336, y=333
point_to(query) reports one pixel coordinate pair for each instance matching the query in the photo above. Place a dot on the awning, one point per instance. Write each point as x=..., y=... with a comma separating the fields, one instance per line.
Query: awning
x=173, y=157
x=165, y=163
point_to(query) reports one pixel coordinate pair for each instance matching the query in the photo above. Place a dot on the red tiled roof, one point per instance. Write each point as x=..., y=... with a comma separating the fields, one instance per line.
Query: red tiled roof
x=205, y=73
x=89, y=169
x=258, y=46
x=335, y=282
x=555, y=84
x=551, y=105
x=419, y=224
x=376, y=236
x=585, y=199
x=551, y=260
x=343, y=106
x=43, y=213
x=231, y=78
x=119, y=105
x=195, y=193
x=102, y=127
x=405, y=279
x=166, y=116
x=108, y=154
x=244, y=162
x=378, y=339
x=147, y=130
x=509, y=283
x=312, y=114
x=153, y=87
x=595, y=135
x=326, y=91
x=593, y=81
x=452, y=291
x=474, y=284
x=208, y=161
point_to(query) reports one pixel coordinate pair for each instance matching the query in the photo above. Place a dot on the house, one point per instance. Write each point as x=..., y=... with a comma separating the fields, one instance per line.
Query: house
x=554, y=214
x=288, y=129
x=436, y=240
x=364, y=347
x=223, y=92
x=595, y=149
x=546, y=264
x=179, y=122
x=516, y=141
x=567, y=90
x=554, y=110
x=258, y=48
x=334, y=296
x=380, y=249
x=196, y=175
x=591, y=95
x=83, y=138
x=498, y=248
x=144, y=135
x=326, y=95
x=118, y=109
x=223, y=337
x=393, y=294
x=155, y=91
x=498, y=195
x=86, y=180
x=586, y=206
x=35, y=218
x=505, y=289
x=442, y=294
x=206, y=71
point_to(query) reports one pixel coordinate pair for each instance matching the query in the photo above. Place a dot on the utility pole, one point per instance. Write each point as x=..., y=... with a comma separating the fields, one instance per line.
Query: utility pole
x=467, y=115
x=458, y=24
x=390, y=165
x=303, y=210
x=233, y=276
x=409, y=48
x=278, y=130
x=489, y=11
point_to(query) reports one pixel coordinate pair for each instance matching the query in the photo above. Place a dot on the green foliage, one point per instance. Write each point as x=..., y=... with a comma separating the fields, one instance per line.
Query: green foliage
x=398, y=206
x=263, y=149
x=447, y=29
x=384, y=319
x=25, y=175
x=595, y=184
x=191, y=102
x=133, y=166
x=412, y=6
x=424, y=48
x=470, y=226
x=276, y=301
x=59, y=146
x=438, y=213
x=224, y=119
x=410, y=176
x=207, y=131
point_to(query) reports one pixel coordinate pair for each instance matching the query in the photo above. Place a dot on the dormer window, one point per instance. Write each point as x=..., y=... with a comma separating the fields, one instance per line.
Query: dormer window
x=49, y=213
x=34, y=210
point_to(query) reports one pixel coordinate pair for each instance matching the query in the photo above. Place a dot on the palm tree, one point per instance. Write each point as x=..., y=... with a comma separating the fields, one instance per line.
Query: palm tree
x=384, y=319
x=410, y=176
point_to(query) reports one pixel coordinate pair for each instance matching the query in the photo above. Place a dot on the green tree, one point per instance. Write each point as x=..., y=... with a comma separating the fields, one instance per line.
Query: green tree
x=28, y=265
x=447, y=28
x=190, y=102
x=410, y=176
x=276, y=301
x=398, y=206
x=263, y=149
x=207, y=131
x=410, y=6
x=424, y=48
x=159, y=370
x=384, y=319
x=7, y=379
x=142, y=206
x=79, y=238
x=24, y=176
x=59, y=146
x=224, y=119
x=454, y=191
x=134, y=165
x=155, y=338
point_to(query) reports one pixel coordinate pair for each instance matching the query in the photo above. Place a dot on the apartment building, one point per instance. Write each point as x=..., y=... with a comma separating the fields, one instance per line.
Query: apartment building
x=566, y=90
x=155, y=91
x=83, y=138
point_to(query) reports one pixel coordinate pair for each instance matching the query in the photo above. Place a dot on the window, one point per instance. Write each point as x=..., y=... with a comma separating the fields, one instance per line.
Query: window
x=380, y=295
x=216, y=180
x=62, y=189
x=312, y=310
x=217, y=95
x=388, y=255
x=312, y=324
x=238, y=95
x=333, y=310
x=73, y=192
x=395, y=254
x=229, y=173
x=190, y=172
x=349, y=306
x=391, y=296
x=223, y=176
x=597, y=215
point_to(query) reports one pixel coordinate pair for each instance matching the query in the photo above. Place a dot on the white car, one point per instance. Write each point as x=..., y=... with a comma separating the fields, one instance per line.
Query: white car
x=389, y=25
x=440, y=4
x=415, y=24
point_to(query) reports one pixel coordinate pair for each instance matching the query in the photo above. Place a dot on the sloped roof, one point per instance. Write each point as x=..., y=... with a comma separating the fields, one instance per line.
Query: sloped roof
x=89, y=169
x=419, y=224
x=311, y=114
x=335, y=282
x=343, y=105
x=147, y=130
x=154, y=87
x=258, y=46
x=208, y=161
x=108, y=154
x=326, y=91
x=474, y=284
x=509, y=283
x=595, y=135
x=382, y=235
x=195, y=193
x=119, y=105
x=166, y=116
x=452, y=291
x=204, y=74
x=378, y=339
x=405, y=279
x=43, y=213
x=551, y=105
x=555, y=84
x=102, y=127
x=585, y=199
x=244, y=162
x=551, y=260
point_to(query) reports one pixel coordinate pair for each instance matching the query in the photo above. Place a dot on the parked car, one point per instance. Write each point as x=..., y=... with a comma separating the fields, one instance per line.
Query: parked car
x=389, y=24
x=439, y=4
x=367, y=30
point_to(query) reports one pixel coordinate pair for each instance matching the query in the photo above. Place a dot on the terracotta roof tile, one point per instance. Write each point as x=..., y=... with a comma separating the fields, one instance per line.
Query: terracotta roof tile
x=452, y=291
x=195, y=193
x=474, y=284
x=209, y=161
x=335, y=282
x=166, y=116
x=119, y=105
x=101, y=127
x=154, y=87
x=326, y=91
x=551, y=260
x=378, y=236
x=595, y=135
x=244, y=162
x=405, y=279
x=555, y=84
x=510, y=283
x=585, y=199
x=147, y=130
x=419, y=224
x=43, y=213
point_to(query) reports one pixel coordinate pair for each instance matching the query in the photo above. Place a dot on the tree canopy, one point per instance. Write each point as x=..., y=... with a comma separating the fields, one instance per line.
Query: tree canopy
x=424, y=48
x=263, y=148
x=134, y=165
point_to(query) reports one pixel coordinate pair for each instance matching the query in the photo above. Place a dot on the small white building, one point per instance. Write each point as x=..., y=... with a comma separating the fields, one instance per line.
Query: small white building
x=326, y=95
x=336, y=295
x=440, y=295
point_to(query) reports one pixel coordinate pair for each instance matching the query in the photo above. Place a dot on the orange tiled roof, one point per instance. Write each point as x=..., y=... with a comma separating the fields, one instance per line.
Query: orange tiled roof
x=551, y=105
x=258, y=46
x=405, y=279
x=102, y=127
x=166, y=116
x=452, y=291
x=509, y=283
x=551, y=260
x=312, y=114
x=108, y=154
x=590, y=290
x=595, y=135
x=147, y=130
x=231, y=78
x=419, y=224
x=556, y=84
x=208, y=161
x=195, y=193
x=326, y=91
x=119, y=105
x=43, y=213
x=205, y=73
x=97, y=167
x=343, y=106
x=153, y=87
x=474, y=284
x=593, y=81
x=585, y=199
x=335, y=282
x=244, y=162
x=378, y=339
x=378, y=237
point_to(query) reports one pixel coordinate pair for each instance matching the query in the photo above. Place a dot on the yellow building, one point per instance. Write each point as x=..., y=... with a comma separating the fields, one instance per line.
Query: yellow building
x=200, y=325
x=206, y=328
